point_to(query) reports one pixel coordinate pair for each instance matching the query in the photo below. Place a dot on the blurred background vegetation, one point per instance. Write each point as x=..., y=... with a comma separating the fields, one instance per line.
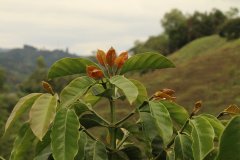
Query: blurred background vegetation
x=205, y=47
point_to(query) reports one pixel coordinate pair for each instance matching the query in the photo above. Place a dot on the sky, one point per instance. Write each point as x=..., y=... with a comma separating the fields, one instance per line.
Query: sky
x=83, y=26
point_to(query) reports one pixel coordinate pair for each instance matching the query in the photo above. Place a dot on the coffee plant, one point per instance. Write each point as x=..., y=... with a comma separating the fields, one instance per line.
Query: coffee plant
x=71, y=125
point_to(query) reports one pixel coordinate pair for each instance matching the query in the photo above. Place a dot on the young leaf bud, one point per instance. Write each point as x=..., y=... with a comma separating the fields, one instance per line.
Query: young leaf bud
x=47, y=87
x=94, y=72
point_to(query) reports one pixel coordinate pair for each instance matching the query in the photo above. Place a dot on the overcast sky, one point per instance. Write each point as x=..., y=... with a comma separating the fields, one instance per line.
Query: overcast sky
x=86, y=25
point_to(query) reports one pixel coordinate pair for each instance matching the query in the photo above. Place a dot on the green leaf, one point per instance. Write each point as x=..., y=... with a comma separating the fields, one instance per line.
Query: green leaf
x=81, y=146
x=132, y=152
x=44, y=154
x=148, y=124
x=74, y=90
x=183, y=147
x=96, y=151
x=229, y=147
x=23, y=143
x=41, y=145
x=1, y=158
x=22, y=106
x=202, y=135
x=89, y=98
x=177, y=112
x=147, y=60
x=69, y=66
x=216, y=124
x=42, y=114
x=81, y=107
x=212, y=154
x=128, y=88
x=163, y=120
x=65, y=135
x=91, y=120
x=142, y=92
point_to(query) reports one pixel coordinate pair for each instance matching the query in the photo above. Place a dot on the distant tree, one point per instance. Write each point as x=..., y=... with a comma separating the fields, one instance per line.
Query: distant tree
x=231, y=29
x=204, y=24
x=154, y=43
x=175, y=26
x=232, y=13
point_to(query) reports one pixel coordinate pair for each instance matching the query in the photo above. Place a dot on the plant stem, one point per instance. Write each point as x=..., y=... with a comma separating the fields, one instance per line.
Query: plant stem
x=130, y=114
x=180, y=131
x=93, y=137
x=126, y=118
x=103, y=119
x=112, y=129
x=113, y=119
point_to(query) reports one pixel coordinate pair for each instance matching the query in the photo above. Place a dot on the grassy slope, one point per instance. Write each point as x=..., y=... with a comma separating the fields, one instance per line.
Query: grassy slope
x=208, y=69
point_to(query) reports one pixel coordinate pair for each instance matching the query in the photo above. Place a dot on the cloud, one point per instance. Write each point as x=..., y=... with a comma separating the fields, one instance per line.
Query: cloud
x=84, y=26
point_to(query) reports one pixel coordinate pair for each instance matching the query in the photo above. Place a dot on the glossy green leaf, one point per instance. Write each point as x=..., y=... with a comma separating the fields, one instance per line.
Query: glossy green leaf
x=178, y=113
x=183, y=147
x=128, y=88
x=163, y=120
x=75, y=90
x=229, y=148
x=65, y=135
x=202, y=136
x=96, y=151
x=147, y=60
x=42, y=114
x=142, y=92
x=22, y=106
x=23, y=143
x=81, y=146
x=216, y=124
x=69, y=66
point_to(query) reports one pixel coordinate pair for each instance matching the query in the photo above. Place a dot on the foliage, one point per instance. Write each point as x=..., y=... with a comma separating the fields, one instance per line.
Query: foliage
x=62, y=126
x=180, y=29
x=230, y=29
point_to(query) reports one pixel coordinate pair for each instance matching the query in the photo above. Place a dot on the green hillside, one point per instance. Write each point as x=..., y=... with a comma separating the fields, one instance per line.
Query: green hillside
x=19, y=63
x=208, y=69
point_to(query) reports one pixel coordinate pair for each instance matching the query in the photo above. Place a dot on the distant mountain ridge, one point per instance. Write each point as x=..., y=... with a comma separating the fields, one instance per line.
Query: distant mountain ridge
x=18, y=63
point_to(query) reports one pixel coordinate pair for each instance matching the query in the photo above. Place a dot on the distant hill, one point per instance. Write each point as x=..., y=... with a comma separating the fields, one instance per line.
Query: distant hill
x=208, y=69
x=19, y=63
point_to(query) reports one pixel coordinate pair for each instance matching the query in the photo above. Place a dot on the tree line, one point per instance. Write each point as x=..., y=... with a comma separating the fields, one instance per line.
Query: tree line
x=180, y=29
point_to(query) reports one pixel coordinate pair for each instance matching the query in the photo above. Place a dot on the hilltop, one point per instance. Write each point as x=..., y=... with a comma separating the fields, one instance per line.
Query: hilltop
x=207, y=69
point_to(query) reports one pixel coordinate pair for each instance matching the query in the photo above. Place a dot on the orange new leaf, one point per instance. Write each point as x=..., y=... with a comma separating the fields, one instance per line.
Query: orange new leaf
x=111, y=56
x=120, y=60
x=94, y=72
x=101, y=57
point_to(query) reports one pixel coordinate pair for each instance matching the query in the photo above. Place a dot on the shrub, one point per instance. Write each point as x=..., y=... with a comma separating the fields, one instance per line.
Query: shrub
x=68, y=126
